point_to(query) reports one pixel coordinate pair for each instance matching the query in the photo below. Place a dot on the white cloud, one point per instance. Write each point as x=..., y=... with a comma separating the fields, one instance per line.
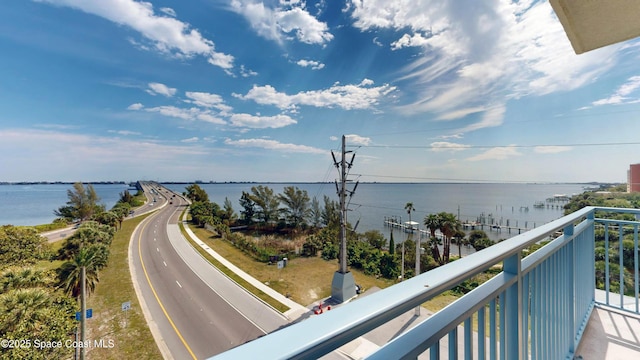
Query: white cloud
x=244, y=72
x=189, y=114
x=136, y=106
x=357, y=140
x=492, y=117
x=279, y=23
x=207, y=100
x=621, y=95
x=168, y=11
x=176, y=112
x=165, y=33
x=551, y=149
x=224, y=61
x=314, y=65
x=57, y=126
x=210, y=118
x=59, y=152
x=439, y=146
x=407, y=40
x=477, y=53
x=460, y=113
x=348, y=97
x=124, y=132
x=275, y=145
x=261, y=122
x=452, y=136
x=497, y=153
x=190, y=140
x=307, y=28
x=161, y=89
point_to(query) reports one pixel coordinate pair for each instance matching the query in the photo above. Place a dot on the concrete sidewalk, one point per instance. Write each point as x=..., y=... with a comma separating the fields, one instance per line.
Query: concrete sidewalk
x=295, y=310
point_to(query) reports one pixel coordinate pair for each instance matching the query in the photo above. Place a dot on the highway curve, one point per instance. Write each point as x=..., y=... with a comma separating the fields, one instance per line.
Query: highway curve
x=193, y=310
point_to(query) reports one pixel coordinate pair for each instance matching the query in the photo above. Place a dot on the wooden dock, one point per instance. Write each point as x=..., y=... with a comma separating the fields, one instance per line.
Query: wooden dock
x=474, y=225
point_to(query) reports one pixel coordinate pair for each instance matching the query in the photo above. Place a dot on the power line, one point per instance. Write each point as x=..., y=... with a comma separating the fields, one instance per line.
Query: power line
x=465, y=180
x=462, y=147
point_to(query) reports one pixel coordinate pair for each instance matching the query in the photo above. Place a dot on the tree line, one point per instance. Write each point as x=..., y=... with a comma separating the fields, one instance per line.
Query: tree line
x=293, y=212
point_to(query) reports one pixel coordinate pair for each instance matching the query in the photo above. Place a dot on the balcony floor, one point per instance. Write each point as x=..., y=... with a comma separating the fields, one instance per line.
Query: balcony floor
x=610, y=334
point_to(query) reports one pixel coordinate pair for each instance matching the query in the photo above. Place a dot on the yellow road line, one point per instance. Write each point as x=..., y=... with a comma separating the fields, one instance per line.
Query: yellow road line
x=144, y=269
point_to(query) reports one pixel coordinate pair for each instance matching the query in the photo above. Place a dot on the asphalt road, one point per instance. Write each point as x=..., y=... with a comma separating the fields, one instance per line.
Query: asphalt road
x=60, y=234
x=195, y=310
x=149, y=206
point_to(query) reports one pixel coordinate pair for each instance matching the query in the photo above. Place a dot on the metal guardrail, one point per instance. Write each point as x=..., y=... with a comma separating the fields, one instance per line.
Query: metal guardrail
x=536, y=308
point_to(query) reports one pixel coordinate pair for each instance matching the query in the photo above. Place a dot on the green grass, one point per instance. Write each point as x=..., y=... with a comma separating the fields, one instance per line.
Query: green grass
x=305, y=280
x=115, y=287
x=50, y=227
x=46, y=265
x=252, y=289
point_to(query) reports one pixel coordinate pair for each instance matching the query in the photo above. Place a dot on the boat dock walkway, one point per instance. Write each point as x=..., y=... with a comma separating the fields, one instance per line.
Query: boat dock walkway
x=474, y=225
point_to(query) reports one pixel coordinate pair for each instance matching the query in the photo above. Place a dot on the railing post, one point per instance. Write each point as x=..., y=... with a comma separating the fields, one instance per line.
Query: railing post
x=513, y=309
x=572, y=303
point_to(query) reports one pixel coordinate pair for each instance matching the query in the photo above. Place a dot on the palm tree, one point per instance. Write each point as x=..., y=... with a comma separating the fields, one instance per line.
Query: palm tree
x=110, y=218
x=459, y=235
x=409, y=207
x=80, y=274
x=69, y=274
x=121, y=210
x=26, y=309
x=22, y=278
x=448, y=226
x=432, y=222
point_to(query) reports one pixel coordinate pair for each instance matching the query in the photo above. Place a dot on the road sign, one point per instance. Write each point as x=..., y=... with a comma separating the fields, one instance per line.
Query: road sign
x=88, y=314
x=125, y=307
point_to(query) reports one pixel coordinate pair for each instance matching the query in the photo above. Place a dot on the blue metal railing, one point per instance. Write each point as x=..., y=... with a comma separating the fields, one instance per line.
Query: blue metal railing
x=537, y=307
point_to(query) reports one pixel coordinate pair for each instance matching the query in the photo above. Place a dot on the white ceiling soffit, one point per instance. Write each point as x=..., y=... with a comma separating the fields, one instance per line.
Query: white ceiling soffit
x=591, y=24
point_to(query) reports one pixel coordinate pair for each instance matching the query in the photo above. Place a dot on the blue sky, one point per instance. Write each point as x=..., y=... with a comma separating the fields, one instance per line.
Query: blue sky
x=245, y=90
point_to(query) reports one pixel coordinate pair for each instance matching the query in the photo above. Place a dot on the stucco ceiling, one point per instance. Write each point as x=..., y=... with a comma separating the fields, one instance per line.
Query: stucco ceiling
x=591, y=24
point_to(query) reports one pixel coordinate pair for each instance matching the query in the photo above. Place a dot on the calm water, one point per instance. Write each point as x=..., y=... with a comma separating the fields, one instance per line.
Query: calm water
x=373, y=202
x=34, y=204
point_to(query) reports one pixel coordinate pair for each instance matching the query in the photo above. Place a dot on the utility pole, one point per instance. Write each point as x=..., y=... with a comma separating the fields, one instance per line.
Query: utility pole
x=343, y=286
x=83, y=310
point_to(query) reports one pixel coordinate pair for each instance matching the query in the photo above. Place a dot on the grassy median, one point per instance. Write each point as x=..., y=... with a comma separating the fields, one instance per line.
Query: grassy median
x=129, y=331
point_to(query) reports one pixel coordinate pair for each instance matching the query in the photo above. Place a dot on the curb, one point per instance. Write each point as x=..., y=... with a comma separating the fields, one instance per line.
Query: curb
x=295, y=309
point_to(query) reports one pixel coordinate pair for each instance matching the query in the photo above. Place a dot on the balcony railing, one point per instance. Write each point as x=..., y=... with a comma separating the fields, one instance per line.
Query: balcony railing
x=537, y=307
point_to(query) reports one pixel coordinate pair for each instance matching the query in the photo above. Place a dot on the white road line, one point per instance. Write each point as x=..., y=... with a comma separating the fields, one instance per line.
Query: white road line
x=165, y=264
x=157, y=249
x=178, y=284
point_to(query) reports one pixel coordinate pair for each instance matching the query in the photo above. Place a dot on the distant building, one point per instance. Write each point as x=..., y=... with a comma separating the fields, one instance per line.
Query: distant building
x=634, y=178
